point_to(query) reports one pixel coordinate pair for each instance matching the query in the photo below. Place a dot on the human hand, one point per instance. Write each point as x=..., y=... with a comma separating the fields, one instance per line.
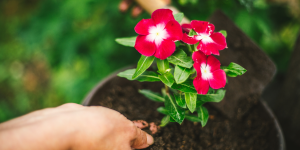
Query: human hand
x=136, y=10
x=72, y=126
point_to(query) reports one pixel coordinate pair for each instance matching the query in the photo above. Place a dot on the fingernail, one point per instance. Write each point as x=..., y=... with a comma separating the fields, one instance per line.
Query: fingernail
x=150, y=140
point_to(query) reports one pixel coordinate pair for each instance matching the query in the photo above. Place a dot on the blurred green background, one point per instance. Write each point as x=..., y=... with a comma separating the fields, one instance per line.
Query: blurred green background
x=53, y=52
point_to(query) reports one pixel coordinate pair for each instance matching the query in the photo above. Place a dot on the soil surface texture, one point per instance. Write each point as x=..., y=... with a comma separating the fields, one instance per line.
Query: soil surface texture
x=254, y=131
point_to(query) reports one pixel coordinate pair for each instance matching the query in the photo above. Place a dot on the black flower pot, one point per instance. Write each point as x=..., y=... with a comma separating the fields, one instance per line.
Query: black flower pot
x=258, y=129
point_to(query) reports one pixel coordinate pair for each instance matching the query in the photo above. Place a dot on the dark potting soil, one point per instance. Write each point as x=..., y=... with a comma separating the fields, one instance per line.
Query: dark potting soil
x=255, y=131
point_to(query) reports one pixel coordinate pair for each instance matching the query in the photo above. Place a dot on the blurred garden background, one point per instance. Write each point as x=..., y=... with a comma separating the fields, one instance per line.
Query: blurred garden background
x=53, y=52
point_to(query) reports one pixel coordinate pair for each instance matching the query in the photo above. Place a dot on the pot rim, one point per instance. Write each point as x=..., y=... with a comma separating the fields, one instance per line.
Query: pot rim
x=90, y=95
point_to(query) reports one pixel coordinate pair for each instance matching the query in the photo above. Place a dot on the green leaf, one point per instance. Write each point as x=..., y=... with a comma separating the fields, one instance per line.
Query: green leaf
x=181, y=59
x=186, y=86
x=162, y=65
x=234, y=70
x=172, y=120
x=223, y=32
x=148, y=76
x=177, y=43
x=163, y=110
x=176, y=112
x=152, y=95
x=143, y=64
x=202, y=115
x=181, y=74
x=178, y=17
x=167, y=79
x=199, y=102
x=211, y=91
x=164, y=121
x=223, y=67
x=192, y=118
x=192, y=33
x=180, y=100
x=191, y=101
x=127, y=41
x=216, y=97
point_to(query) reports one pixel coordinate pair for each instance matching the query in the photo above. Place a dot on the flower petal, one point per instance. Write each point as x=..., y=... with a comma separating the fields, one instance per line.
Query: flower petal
x=218, y=80
x=162, y=16
x=219, y=39
x=213, y=62
x=188, y=39
x=197, y=67
x=144, y=46
x=208, y=48
x=210, y=29
x=165, y=49
x=201, y=86
x=174, y=30
x=143, y=26
x=186, y=27
x=199, y=57
x=199, y=26
x=203, y=27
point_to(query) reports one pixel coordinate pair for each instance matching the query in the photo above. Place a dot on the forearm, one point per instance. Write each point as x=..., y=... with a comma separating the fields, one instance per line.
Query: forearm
x=32, y=137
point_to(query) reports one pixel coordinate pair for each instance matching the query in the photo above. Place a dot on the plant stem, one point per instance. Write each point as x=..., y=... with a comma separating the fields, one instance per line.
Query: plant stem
x=167, y=89
x=190, y=48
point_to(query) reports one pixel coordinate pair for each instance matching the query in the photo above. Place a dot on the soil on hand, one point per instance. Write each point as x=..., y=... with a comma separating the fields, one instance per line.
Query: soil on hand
x=255, y=131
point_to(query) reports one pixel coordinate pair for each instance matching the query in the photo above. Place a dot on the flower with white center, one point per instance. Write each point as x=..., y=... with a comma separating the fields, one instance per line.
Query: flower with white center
x=206, y=73
x=157, y=35
x=210, y=42
x=209, y=73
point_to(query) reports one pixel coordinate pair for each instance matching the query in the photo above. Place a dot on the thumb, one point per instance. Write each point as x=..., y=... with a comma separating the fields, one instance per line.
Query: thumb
x=141, y=139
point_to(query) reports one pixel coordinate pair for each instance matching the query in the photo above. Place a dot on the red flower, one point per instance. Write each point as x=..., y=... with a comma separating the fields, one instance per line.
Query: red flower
x=186, y=28
x=209, y=73
x=158, y=34
x=210, y=42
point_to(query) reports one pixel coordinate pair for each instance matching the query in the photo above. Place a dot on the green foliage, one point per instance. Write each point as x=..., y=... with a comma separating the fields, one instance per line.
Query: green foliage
x=147, y=76
x=165, y=120
x=192, y=118
x=192, y=32
x=185, y=2
x=186, y=86
x=152, y=95
x=163, y=110
x=180, y=58
x=223, y=32
x=247, y=3
x=167, y=78
x=178, y=17
x=175, y=111
x=234, y=70
x=213, y=97
x=181, y=74
x=162, y=65
x=127, y=41
x=180, y=100
x=202, y=115
x=191, y=99
x=55, y=52
x=143, y=64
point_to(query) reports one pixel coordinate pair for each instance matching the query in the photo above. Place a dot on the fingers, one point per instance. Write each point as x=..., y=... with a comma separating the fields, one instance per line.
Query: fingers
x=136, y=11
x=124, y=5
x=141, y=140
x=70, y=106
